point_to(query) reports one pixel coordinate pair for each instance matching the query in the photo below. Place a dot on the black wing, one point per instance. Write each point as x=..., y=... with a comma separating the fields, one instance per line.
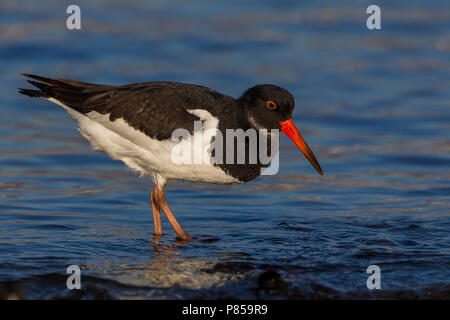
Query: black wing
x=155, y=108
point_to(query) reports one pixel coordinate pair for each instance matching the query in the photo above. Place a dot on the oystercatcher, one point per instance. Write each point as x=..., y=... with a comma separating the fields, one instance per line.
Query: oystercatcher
x=134, y=123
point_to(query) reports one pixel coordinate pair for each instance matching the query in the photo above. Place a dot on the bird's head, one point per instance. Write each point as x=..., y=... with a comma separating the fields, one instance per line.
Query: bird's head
x=270, y=107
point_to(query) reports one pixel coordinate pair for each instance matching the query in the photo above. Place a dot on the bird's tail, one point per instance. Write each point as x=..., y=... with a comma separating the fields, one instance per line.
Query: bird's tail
x=44, y=85
x=48, y=85
x=44, y=91
x=69, y=92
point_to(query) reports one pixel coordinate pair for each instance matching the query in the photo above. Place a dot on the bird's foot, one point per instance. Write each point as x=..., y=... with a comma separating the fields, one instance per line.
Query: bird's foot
x=185, y=237
x=156, y=238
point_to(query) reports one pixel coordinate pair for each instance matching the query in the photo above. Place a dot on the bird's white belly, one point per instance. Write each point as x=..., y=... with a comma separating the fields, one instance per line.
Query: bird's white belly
x=141, y=153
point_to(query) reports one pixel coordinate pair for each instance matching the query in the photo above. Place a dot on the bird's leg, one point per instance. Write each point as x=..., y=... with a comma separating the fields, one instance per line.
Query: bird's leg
x=160, y=198
x=156, y=214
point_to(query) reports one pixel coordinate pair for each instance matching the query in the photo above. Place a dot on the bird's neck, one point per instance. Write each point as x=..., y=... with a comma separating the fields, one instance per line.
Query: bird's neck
x=248, y=121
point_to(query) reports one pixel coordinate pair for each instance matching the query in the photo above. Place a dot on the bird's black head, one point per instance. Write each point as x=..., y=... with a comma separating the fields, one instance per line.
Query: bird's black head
x=270, y=107
x=267, y=105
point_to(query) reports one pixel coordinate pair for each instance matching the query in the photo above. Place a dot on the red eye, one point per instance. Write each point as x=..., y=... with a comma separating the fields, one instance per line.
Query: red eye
x=271, y=105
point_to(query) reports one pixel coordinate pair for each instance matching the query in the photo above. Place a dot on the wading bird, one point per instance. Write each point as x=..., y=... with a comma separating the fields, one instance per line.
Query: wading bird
x=134, y=123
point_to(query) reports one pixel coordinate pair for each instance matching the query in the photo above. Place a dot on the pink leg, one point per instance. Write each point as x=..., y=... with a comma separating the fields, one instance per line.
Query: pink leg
x=156, y=214
x=161, y=201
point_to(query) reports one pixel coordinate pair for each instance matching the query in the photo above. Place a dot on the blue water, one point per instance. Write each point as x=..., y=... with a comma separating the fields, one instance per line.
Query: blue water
x=373, y=105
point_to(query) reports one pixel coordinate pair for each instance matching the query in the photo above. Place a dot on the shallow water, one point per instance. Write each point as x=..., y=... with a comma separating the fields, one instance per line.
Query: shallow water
x=373, y=105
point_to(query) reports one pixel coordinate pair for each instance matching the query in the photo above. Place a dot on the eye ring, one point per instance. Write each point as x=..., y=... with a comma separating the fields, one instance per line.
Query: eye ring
x=271, y=105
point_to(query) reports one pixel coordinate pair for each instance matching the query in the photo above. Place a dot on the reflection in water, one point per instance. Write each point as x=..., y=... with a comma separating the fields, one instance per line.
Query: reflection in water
x=374, y=107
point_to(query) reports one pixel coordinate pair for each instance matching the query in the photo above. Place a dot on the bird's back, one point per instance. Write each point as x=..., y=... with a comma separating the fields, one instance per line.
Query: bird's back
x=156, y=108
